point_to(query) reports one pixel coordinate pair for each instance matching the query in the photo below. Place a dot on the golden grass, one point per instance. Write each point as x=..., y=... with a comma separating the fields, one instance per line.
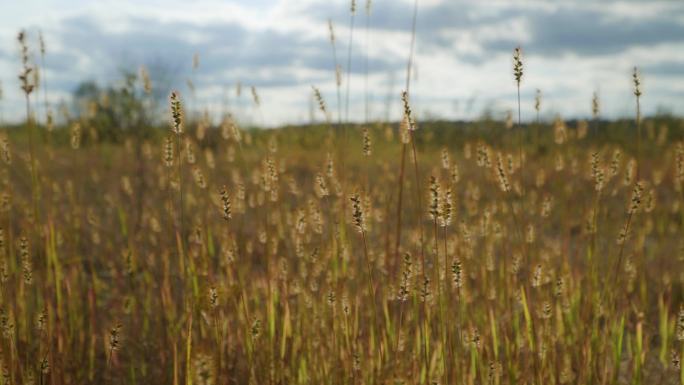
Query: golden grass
x=216, y=255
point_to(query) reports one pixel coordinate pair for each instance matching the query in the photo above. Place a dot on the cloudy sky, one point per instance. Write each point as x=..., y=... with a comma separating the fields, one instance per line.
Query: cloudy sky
x=462, y=58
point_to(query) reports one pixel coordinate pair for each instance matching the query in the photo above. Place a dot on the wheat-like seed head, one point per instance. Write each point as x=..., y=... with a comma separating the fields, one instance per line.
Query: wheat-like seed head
x=537, y=276
x=529, y=233
x=255, y=96
x=26, y=72
x=6, y=324
x=168, y=151
x=425, y=293
x=630, y=172
x=75, y=135
x=25, y=260
x=636, y=79
x=329, y=165
x=615, y=162
x=41, y=43
x=198, y=175
x=234, y=129
x=597, y=172
x=320, y=186
x=405, y=130
x=366, y=142
x=517, y=64
x=358, y=215
x=189, y=152
x=226, y=203
x=675, y=360
x=406, y=274
x=445, y=158
x=457, y=273
x=213, y=297
x=407, y=112
x=680, y=324
x=146, y=82
x=595, y=105
x=176, y=112
x=331, y=31
x=44, y=365
x=560, y=287
x=501, y=175
x=5, y=149
x=316, y=217
x=679, y=164
x=433, y=198
x=455, y=174
x=115, y=337
x=446, y=209
x=256, y=328
x=650, y=201
x=635, y=201
x=319, y=99
x=546, y=206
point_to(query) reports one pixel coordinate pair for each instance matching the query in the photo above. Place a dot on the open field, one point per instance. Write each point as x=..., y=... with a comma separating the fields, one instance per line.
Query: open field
x=281, y=261
x=196, y=249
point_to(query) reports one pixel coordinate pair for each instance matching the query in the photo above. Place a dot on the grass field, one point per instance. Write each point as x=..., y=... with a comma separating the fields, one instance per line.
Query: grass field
x=484, y=252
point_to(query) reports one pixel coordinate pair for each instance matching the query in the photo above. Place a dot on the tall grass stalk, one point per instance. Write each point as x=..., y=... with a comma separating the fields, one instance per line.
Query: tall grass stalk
x=409, y=67
x=365, y=63
x=27, y=87
x=518, y=74
x=637, y=119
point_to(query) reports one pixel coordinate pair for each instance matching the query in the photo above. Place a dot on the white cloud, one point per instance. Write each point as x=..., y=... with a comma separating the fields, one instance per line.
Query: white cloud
x=463, y=52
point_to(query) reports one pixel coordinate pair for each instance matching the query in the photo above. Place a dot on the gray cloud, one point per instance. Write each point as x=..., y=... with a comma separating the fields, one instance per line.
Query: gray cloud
x=590, y=32
x=224, y=49
x=580, y=28
x=666, y=68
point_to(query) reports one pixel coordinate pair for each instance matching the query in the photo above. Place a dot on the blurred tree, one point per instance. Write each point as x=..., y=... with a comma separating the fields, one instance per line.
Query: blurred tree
x=115, y=112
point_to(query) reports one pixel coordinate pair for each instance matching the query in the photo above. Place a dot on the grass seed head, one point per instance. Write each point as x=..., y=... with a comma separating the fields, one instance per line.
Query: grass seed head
x=636, y=79
x=446, y=209
x=358, y=215
x=595, y=105
x=433, y=198
x=176, y=112
x=226, y=208
x=25, y=76
x=366, y=142
x=517, y=65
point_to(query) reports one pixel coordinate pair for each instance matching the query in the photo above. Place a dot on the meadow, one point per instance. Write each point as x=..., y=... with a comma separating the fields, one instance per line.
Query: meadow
x=486, y=252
